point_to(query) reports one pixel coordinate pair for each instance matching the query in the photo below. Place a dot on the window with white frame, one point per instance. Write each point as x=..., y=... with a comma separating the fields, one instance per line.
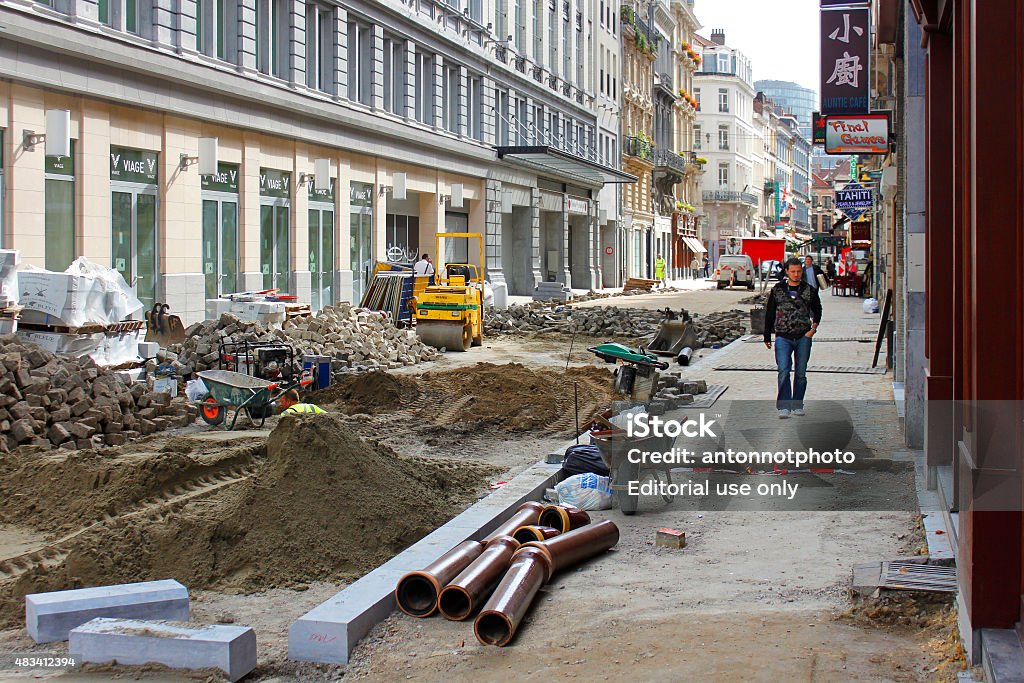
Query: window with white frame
x=501, y=116
x=272, y=37
x=552, y=37
x=425, y=66
x=320, y=47
x=517, y=29
x=475, y=87
x=394, y=75
x=723, y=137
x=452, y=103
x=723, y=176
x=216, y=28
x=566, y=51
x=360, y=62
x=500, y=20
x=580, y=81
x=538, y=35
x=522, y=122
x=696, y=137
x=723, y=100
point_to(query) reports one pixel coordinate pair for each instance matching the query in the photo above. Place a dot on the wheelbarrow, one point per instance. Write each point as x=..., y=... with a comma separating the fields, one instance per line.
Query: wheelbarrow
x=614, y=446
x=251, y=395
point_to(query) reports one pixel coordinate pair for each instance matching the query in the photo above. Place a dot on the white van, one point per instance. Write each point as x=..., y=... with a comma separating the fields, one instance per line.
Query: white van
x=735, y=269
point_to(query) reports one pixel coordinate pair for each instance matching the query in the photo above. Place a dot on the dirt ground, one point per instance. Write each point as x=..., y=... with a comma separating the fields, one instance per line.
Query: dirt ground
x=754, y=596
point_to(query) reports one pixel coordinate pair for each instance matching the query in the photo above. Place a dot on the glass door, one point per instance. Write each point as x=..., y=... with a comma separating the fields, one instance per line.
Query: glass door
x=134, y=239
x=321, y=255
x=220, y=247
x=360, y=261
x=275, y=250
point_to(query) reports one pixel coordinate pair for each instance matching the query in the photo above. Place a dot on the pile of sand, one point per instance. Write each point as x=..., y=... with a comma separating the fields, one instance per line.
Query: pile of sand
x=372, y=393
x=514, y=397
x=322, y=505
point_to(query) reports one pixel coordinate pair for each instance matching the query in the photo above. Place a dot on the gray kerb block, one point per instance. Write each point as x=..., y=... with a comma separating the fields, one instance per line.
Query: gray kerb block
x=50, y=617
x=232, y=649
x=328, y=633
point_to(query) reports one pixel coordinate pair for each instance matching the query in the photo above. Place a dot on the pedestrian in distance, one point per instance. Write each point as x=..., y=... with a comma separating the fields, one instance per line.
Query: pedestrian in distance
x=792, y=314
x=694, y=268
x=830, y=271
x=812, y=271
x=707, y=267
x=659, y=270
x=423, y=266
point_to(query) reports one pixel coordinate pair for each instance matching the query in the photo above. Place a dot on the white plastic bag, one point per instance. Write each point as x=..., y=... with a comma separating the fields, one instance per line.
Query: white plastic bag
x=195, y=389
x=586, y=491
x=871, y=305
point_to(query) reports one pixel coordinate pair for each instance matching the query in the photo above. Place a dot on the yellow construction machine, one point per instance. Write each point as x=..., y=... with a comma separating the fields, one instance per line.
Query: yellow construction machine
x=450, y=313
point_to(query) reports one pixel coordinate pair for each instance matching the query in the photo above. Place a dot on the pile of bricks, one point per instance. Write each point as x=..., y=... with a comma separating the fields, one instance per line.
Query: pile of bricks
x=55, y=401
x=355, y=338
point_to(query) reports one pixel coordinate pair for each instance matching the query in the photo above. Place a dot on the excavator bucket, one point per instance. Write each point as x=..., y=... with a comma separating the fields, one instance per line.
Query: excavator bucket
x=672, y=337
x=452, y=336
x=162, y=327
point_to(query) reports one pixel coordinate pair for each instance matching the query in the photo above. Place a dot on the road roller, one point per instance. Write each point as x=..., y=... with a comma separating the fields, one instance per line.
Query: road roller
x=449, y=314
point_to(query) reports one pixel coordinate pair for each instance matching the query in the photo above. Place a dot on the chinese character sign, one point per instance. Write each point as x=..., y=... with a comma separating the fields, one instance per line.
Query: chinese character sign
x=845, y=51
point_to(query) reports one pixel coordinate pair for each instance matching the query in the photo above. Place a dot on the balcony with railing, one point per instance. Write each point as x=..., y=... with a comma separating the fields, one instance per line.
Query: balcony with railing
x=640, y=148
x=665, y=159
x=664, y=81
x=747, y=198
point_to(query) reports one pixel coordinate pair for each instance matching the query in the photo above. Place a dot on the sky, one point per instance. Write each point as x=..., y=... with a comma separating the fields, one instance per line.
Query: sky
x=779, y=36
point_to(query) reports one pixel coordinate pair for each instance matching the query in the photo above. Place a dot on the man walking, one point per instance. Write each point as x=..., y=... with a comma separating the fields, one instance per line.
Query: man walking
x=707, y=267
x=694, y=268
x=812, y=271
x=793, y=313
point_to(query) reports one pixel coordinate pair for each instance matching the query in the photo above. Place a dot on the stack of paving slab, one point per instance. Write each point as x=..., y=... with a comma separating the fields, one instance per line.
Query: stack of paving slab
x=136, y=624
x=675, y=392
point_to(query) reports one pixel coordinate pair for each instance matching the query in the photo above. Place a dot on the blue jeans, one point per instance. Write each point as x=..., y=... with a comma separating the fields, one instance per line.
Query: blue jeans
x=791, y=395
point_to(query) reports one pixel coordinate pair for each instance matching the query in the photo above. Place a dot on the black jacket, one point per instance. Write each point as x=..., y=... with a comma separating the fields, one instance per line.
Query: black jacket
x=807, y=303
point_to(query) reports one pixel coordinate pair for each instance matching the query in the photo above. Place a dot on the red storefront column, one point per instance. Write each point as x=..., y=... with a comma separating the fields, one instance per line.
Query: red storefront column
x=989, y=367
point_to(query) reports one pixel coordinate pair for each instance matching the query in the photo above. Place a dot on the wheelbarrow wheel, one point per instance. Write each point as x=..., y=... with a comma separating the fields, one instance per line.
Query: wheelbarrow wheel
x=212, y=413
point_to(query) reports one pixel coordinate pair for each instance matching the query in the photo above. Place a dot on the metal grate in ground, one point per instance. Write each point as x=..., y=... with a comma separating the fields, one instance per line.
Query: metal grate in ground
x=918, y=577
x=840, y=369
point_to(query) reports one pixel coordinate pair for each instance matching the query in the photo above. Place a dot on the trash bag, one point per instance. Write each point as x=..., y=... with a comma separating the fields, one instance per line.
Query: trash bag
x=583, y=458
x=195, y=390
x=586, y=491
x=871, y=305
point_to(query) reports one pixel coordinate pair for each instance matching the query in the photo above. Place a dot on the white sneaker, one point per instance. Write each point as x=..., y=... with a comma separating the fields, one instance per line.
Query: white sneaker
x=783, y=414
x=799, y=412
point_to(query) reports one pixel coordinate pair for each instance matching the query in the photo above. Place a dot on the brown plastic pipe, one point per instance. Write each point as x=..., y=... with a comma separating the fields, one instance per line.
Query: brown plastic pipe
x=417, y=592
x=563, y=517
x=500, y=617
x=531, y=567
x=532, y=532
x=568, y=549
x=464, y=594
x=528, y=513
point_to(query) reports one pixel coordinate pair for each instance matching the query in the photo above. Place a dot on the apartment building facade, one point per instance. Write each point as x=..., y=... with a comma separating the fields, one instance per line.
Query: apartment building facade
x=429, y=119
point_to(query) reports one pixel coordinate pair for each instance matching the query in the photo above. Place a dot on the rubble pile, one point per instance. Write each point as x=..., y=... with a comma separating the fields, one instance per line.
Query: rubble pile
x=356, y=339
x=610, y=322
x=56, y=401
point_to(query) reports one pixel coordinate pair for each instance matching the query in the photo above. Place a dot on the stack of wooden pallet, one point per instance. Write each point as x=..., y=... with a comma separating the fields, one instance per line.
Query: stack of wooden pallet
x=638, y=284
x=296, y=310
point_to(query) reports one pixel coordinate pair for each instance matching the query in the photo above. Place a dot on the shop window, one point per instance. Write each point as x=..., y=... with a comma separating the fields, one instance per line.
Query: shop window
x=59, y=211
x=320, y=47
x=321, y=245
x=220, y=231
x=360, y=63
x=394, y=75
x=425, y=87
x=360, y=237
x=402, y=237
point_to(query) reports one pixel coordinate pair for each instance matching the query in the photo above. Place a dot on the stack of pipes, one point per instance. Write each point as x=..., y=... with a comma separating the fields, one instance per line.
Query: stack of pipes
x=510, y=565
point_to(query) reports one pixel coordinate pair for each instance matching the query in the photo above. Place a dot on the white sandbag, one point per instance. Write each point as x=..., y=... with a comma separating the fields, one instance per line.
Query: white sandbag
x=586, y=491
x=871, y=305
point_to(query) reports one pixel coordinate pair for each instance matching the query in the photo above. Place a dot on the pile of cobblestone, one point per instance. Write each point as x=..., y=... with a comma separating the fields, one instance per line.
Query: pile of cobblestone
x=357, y=340
x=675, y=391
x=610, y=322
x=56, y=401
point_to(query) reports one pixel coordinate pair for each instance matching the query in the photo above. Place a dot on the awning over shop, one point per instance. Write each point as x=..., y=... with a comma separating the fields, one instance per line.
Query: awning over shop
x=695, y=246
x=558, y=162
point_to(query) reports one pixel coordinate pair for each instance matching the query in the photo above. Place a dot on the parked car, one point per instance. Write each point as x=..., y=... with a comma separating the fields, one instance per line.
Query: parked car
x=735, y=270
